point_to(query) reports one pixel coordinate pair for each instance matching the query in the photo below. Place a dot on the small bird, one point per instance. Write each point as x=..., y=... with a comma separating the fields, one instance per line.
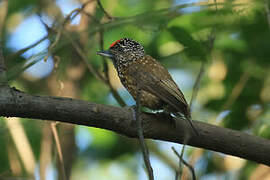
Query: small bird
x=137, y=70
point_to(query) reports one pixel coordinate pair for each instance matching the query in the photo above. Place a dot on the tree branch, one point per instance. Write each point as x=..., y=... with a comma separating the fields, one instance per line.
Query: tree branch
x=14, y=103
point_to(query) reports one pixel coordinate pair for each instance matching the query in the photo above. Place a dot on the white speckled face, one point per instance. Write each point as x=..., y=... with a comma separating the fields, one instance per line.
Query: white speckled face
x=125, y=51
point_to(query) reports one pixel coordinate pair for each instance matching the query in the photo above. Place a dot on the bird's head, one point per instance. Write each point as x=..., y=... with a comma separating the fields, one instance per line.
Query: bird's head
x=123, y=51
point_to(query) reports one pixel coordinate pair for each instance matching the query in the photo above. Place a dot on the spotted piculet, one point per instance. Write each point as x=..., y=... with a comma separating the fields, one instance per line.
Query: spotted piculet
x=137, y=70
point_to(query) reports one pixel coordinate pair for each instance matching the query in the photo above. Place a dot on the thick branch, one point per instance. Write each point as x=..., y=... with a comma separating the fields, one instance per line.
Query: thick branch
x=14, y=103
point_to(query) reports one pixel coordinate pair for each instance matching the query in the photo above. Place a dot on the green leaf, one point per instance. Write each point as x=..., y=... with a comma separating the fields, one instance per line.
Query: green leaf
x=14, y=5
x=193, y=48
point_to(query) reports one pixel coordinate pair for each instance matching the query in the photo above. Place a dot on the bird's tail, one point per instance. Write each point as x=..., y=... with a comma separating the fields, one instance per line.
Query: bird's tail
x=188, y=119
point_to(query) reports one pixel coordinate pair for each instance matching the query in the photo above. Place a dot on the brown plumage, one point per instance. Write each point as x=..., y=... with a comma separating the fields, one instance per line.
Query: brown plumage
x=139, y=71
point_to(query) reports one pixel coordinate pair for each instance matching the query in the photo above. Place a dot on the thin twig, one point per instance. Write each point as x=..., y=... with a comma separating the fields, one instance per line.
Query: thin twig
x=59, y=150
x=211, y=39
x=164, y=157
x=186, y=139
x=266, y=6
x=101, y=46
x=182, y=154
x=116, y=95
x=69, y=18
x=2, y=62
x=104, y=11
x=21, y=51
x=95, y=72
x=81, y=54
x=210, y=44
x=3, y=79
x=91, y=16
x=141, y=138
x=238, y=88
x=60, y=31
x=185, y=163
x=176, y=175
x=127, y=20
x=84, y=58
x=197, y=85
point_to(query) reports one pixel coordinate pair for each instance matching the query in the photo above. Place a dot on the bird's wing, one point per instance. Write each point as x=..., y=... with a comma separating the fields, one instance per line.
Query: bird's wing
x=159, y=82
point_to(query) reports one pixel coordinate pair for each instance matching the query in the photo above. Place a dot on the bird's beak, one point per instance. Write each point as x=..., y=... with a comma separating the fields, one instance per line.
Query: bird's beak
x=105, y=54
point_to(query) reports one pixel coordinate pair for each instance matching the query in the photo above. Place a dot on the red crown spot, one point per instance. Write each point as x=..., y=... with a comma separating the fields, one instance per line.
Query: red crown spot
x=115, y=43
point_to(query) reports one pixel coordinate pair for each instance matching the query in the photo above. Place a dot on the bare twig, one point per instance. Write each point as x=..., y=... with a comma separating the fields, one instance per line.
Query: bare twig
x=2, y=62
x=95, y=72
x=210, y=44
x=106, y=72
x=164, y=157
x=91, y=16
x=211, y=39
x=197, y=85
x=238, y=88
x=101, y=46
x=104, y=11
x=84, y=58
x=182, y=154
x=185, y=163
x=3, y=79
x=59, y=150
x=60, y=31
x=69, y=17
x=186, y=138
x=176, y=175
x=21, y=51
x=141, y=138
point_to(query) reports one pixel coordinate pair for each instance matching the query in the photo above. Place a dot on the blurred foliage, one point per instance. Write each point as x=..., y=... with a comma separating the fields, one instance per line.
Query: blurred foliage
x=237, y=76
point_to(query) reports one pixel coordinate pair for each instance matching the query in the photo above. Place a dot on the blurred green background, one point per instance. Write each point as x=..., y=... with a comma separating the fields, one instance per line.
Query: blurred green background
x=48, y=51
